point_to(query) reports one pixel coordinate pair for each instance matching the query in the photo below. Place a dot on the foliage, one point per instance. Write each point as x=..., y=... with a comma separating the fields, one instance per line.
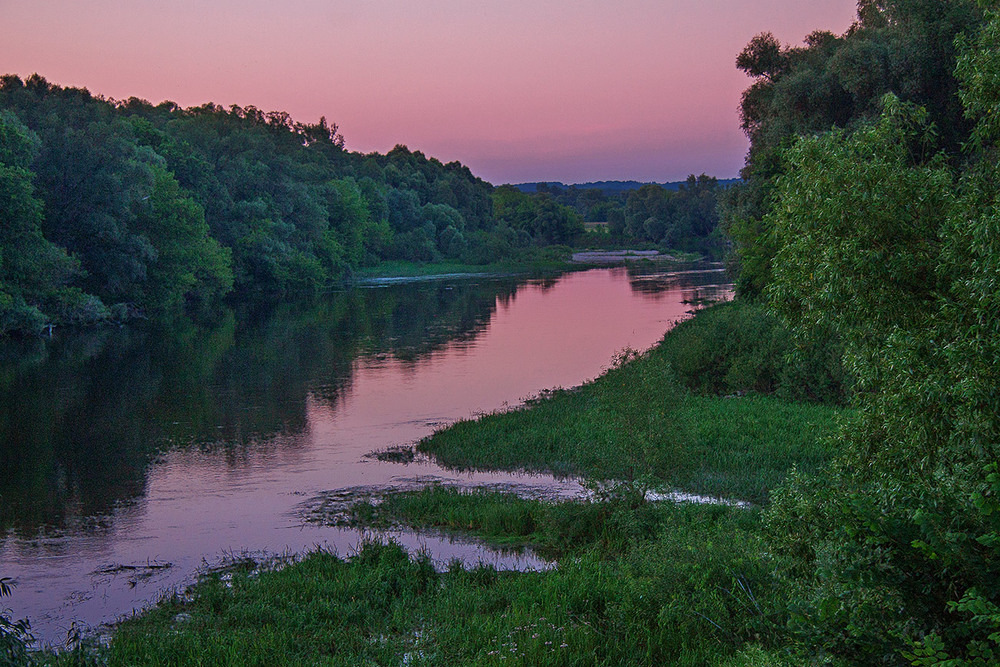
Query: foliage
x=878, y=219
x=682, y=217
x=535, y=216
x=31, y=267
x=883, y=262
x=903, y=47
x=123, y=209
x=15, y=636
x=739, y=347
x=683, y=220
x=190, y=266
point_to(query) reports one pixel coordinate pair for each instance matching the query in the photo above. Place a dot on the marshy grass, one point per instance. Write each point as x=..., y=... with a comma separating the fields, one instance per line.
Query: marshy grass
x=692, y=594
x=636, y=422
x=552, y=529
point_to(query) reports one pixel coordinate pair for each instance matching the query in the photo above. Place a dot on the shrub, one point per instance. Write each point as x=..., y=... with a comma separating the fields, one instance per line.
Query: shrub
x=740, y=346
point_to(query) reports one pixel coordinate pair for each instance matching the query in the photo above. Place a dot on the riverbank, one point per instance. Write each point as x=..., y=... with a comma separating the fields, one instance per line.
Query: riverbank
x=551, y=259
x=636, y=582
x=400, y=270
x=636, y=423
x=606, y=257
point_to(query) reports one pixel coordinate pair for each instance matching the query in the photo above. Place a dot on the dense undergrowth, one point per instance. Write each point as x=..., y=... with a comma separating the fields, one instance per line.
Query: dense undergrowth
x=740, y=347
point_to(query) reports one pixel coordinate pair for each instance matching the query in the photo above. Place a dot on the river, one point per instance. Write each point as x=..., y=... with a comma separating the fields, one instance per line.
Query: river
x=132, y=458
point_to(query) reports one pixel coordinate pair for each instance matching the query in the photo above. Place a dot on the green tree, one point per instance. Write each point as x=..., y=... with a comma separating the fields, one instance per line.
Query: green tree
x=32, y=269
x=904, y=47
x=190, y=267
x=879, y=240
x=554, y=223
x=882, y=262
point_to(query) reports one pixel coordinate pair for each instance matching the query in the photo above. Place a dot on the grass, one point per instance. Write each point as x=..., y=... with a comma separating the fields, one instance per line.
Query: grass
x=692, y=595
x=404, y=269
x=636, y=423
x=608, y=523
x=530, y=260
x=553, y=258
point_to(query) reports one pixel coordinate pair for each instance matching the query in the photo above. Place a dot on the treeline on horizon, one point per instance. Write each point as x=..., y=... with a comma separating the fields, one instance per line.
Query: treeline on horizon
x=868, y=220
x=607, y=187
x=114, y=210
x=679, y=216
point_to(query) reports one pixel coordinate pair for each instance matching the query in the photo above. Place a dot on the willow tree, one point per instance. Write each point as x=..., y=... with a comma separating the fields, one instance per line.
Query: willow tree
x=880, y=239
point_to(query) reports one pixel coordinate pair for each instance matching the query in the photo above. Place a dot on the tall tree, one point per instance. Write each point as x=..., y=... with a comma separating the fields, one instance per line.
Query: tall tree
x=32, y=269
x=905, y=47
x=884, y=238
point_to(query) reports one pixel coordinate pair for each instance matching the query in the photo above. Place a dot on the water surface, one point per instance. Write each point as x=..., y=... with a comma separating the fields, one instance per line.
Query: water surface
x=136, y=447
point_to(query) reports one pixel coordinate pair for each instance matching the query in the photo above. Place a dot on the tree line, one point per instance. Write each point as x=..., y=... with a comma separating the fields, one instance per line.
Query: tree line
x=677, y=216
x=115, y=209
x=869, y=221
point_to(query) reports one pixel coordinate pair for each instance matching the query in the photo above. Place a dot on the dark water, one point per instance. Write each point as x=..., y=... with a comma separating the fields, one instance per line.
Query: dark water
x=124, y=448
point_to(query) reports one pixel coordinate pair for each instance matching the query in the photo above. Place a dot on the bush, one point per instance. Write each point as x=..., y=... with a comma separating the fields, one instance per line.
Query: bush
x=17, y=316
x=738, y=347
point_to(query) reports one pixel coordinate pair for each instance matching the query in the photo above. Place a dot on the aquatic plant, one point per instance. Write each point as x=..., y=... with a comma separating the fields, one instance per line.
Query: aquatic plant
x=15, y=636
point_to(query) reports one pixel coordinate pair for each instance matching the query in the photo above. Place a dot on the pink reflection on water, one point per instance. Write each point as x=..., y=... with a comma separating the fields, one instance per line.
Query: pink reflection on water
x=202, y=504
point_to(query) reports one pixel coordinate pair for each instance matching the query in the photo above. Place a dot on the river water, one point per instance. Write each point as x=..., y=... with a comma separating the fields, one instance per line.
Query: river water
x=131, y=459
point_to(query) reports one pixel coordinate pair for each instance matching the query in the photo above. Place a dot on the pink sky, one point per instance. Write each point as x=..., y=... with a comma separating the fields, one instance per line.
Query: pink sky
x=555, y=90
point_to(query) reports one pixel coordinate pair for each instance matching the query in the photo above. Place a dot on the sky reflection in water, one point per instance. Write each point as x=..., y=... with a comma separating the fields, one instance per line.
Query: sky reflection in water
x=150, y=447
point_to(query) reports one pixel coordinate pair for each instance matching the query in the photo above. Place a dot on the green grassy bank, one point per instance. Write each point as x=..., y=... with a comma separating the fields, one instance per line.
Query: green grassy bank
x=635, y=582
x=636, y=424
x=685, y=415
x=649, y=604
x=545, y=259
x=550, y=258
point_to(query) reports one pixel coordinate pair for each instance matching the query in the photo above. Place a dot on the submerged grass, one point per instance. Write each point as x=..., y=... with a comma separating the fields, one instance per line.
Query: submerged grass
x=609, y=523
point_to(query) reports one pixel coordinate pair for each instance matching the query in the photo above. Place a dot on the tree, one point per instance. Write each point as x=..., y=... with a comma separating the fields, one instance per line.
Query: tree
x=878, y=239
x=763, y=57
x=904, y=47
x=190, y=267
x=555, y=224
x=31, y=267
x=882, y=262
x=648, y=214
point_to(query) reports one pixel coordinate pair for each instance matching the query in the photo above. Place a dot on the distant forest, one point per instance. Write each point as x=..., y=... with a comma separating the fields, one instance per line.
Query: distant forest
x=680, y=215
x=116, y=209
x=609, y=187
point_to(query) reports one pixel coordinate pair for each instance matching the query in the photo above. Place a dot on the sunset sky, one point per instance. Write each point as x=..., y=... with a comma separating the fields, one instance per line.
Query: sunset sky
x=556, y=90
